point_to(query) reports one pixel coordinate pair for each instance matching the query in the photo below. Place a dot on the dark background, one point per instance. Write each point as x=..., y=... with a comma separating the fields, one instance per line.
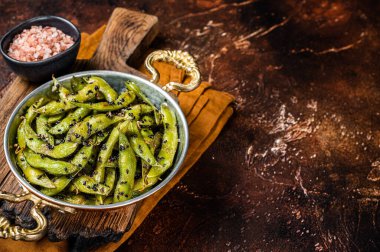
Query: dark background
x=296, y=167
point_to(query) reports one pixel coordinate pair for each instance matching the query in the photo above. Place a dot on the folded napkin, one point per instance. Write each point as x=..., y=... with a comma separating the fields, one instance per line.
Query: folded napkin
x=206, y=111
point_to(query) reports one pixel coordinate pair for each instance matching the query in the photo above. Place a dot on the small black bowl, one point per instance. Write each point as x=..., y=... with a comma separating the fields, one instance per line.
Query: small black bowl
x=41, y=71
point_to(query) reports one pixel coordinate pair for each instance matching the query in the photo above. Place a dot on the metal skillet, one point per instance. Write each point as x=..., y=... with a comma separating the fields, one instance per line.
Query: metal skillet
x=155, y=93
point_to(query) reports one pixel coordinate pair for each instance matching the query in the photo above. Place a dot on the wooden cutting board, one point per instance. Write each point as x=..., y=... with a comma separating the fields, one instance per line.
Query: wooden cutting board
x=127, y=35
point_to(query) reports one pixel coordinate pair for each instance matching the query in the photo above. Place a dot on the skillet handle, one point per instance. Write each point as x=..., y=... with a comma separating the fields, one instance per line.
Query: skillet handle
x=182, y=60
x=7, y=230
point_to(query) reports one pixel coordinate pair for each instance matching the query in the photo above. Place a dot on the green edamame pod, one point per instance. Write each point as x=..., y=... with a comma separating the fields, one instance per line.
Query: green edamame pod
x=135, y=112
x=33, y=175
x=77, y=83
x=60, y=184
x=21, y=141
x=75, y=199
x=109, y=182
x=106, y=151
x=42, y=129
x=139, y=146
x=37, y=145
x=169, y=143
x=110, y=178
x=55, y=118
x=80, y=160
x=123, y=101
x=55, y=108
x=89, y=126
x=63, y=91
x=133, y=87
x=153, y=141
x=69, y=121
x=142, y=184
x=146, y=121
x=95, y=85
x=108, y=200
x=146, y=134
x=127, y=169
x=31, y=112
x=87, y=184
x=98, y=138
x=55, y=167
x=29, y=117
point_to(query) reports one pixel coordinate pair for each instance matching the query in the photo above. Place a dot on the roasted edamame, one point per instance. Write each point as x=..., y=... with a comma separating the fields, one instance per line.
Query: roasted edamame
x=89, y=144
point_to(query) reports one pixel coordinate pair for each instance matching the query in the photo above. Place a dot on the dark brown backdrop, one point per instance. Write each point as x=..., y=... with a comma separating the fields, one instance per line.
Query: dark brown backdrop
x=295, y=169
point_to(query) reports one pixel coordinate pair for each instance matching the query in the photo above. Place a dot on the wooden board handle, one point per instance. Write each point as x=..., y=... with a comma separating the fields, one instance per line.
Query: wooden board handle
x=128, y=33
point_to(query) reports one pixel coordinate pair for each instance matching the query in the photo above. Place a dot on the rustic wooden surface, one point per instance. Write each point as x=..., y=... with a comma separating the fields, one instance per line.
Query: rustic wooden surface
x=287, y=171
x=126, y=30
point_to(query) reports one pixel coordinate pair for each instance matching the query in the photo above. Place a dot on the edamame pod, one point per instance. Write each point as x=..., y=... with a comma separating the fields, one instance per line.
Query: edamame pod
x=42, y=129
x=88, y=92
x=135, y=112
x=127, y=169
x=133, y=87
x=69, y=121
x=21, y=141
x=55, y=108
x=31, y=112
x=55, y=118
x=37, y=145
x=146, y=121
x=153, y=141
x=139, y=146
x=123, y=101
x=77, y=83
x=108, y=200
x=75, y=199
x=55, y=167
x=29, y=117
x=80, y=160
x=89, y=126
x=60, y=184
x=106, y=151
x=169, y=142
x=88, y=185
x=98, y=138
x=141, y=185
x=33, y=175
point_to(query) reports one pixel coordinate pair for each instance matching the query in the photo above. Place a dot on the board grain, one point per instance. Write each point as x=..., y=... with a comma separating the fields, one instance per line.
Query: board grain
x=128, y=33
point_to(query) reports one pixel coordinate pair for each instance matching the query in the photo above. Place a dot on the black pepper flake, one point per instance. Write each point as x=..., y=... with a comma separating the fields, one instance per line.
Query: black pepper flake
x=95, y=187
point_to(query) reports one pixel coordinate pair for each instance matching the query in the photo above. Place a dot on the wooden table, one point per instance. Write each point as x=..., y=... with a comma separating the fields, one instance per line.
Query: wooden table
x=296, y=168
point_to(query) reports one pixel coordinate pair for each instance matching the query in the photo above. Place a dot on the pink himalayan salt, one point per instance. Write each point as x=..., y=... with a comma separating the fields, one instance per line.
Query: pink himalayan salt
x=39, y=43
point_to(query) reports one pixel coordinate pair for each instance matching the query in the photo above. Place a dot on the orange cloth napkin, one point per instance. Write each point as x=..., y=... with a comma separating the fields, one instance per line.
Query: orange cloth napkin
x=206, y=110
